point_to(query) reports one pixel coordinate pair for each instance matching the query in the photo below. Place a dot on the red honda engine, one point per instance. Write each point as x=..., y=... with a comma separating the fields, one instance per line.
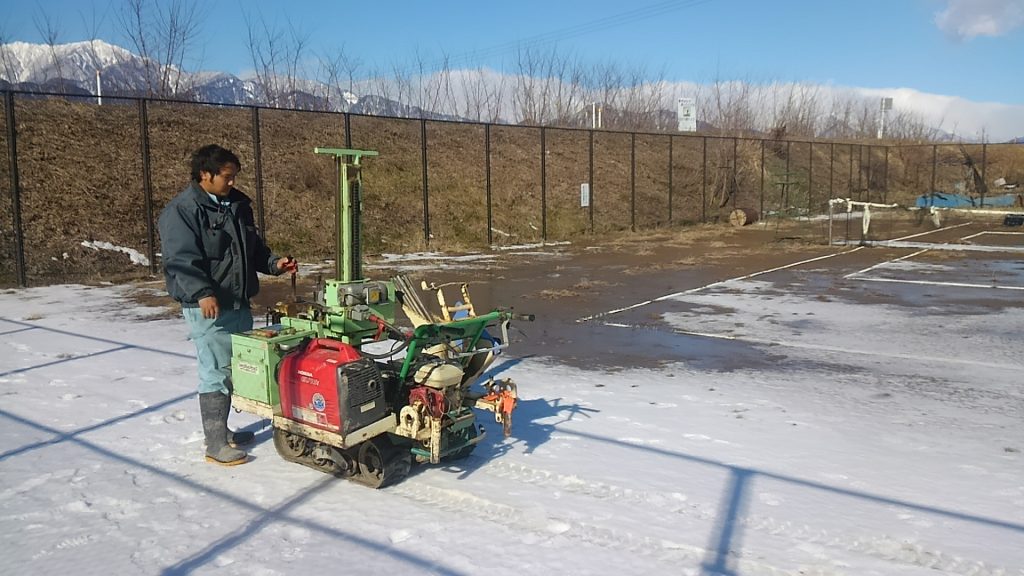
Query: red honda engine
x=329, y=385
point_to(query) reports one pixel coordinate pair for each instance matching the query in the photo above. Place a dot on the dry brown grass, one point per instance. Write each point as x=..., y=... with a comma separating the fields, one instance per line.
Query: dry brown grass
x=81, y=178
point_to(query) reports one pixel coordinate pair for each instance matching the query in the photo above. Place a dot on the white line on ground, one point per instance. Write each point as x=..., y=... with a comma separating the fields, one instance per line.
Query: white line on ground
x=992, y=232
x=698, y=289
x=946, y=246
x=932, y=231
x=869, y=268
x=838, y=349
x=934, y=283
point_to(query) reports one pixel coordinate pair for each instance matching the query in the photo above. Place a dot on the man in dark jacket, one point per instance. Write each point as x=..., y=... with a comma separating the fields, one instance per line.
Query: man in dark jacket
x=211, y=253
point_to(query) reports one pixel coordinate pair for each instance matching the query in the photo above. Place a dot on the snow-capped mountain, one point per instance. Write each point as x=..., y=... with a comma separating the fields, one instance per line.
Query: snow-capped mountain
x=22, y=62
x=72, y=69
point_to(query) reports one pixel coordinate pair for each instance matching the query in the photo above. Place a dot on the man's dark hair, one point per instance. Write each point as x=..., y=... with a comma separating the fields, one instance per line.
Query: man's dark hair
x=211, y=158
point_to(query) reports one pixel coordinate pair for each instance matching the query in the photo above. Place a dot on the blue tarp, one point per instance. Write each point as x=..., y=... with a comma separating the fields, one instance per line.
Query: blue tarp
x=944, y=200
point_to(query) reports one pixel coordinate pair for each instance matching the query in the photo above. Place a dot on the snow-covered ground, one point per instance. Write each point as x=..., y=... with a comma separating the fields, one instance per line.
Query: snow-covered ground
x=873, y=439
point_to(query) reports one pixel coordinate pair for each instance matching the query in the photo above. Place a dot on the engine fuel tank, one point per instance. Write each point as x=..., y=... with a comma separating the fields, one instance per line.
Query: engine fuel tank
x=330, y=386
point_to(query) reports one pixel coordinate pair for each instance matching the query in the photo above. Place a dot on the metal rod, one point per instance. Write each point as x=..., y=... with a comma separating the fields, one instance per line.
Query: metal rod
x=348, y=130
x=487, y=172
x=339, y=242
x=147, y=183
x=426, y=189
x=12, y=155
x=543, y=186
x=257, y=147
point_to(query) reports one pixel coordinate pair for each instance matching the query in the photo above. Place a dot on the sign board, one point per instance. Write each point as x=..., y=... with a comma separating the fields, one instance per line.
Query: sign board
x=686, y=113
x=584, y=195
x=886, y=104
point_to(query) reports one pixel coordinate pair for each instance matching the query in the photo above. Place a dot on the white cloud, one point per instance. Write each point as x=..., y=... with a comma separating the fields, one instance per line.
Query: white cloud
x=972, y=120
x=994, y=121
x=965, y=19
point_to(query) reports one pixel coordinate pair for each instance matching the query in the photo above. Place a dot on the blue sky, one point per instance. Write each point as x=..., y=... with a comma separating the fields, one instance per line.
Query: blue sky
x=968, y=49
x=864, y=43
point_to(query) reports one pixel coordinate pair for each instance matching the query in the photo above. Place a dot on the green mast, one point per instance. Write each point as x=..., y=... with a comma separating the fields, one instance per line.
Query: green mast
x=348, y=205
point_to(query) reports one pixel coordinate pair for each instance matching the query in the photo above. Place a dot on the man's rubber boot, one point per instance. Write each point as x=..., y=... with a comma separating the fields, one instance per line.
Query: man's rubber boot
x=214, y=407
x=241, y=437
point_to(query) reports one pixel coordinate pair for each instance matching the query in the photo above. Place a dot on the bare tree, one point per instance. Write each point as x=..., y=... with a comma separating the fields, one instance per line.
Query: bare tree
x=7, y=58
x=49, y=28
x=478, y=94
x=161, y=32
x=92, y=24
x=277, y=57
x=731, y=105
x=528, y=96
x=336, y=72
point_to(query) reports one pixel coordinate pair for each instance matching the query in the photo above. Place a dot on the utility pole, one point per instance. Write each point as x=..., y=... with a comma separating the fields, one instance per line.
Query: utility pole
x=886, y=105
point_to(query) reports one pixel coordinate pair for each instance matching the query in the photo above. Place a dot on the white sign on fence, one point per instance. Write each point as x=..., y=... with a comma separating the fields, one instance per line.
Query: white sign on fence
x=686, y=113
x=584, y=195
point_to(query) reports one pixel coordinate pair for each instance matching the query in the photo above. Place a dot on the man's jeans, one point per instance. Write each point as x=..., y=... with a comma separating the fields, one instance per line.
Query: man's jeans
x=212, y=338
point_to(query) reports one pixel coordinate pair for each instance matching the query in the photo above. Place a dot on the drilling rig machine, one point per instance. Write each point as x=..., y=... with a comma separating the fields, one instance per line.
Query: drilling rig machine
x=335, y=406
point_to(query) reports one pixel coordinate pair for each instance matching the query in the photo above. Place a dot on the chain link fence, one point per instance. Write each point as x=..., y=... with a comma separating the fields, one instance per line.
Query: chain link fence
x=83, y=184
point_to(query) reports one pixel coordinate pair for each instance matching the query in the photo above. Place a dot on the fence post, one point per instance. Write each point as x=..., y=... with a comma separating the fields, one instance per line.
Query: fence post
x=831, y=169
x=426, y=189
x=984, y=163
x=761, y=215
x=935, y=162
x=849, y=179
x=810, y=178
x=885, y=181
x=865, y=173
x=487, y=172
x=734, y=188
x=632, y=181
x=257, y=147
x=348, y=130
x=12, y=155
x=670, y=178
x=590, y=176
x=543, y=186
x=860, y=172
x=147, y=182
x=704, y=184
x=785, y=187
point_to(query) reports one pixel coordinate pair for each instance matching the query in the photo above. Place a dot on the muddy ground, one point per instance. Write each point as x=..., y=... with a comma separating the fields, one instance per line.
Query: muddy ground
x=577, y=291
